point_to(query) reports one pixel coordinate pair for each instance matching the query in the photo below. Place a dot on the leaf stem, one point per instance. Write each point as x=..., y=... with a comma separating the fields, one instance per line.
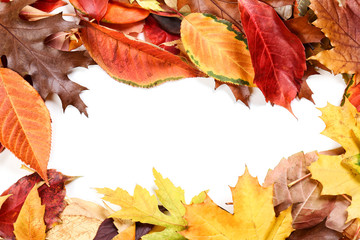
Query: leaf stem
x=346, y=198
x=299, y=180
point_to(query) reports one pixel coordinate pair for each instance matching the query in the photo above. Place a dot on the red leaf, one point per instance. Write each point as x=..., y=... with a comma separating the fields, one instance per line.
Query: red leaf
x=94, y=8
x=2, y=148
x=278, y=56
x=155, y=34
x=306, y=32
x=119, y=13
x=107, y=230
x=52, y=197
x=48, y=5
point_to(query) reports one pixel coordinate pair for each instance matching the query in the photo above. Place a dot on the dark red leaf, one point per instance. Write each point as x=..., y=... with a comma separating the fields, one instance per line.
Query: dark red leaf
x=277, y=55
x=48, y=5
x=155, y=34
x=51, y=196
x=142, y=229
x=94, y=8
x=2, y=148
x=107, y=230
x=169, y=24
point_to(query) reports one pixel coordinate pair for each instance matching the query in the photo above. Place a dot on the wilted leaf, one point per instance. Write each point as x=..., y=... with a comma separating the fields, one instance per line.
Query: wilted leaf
x=353, y=231
x=142, y=229
x=30, y=223
x=48, y=5
x=64, y=41
x=94, y=8
x=169, y=24
x=22, y=42
x=253, y=218
x=240, y=92
x=52, y=197
x=279, y=62
x=2, y=148
x=305, y=31
x=24, y=121
x=3, y=199
x=317, y=232
x=340, y=25
x=79, y=207
x=131, y=61
x=128, y=234
x=278, y=3
x=217, y=48
x=107, y=230
x=119, y=13
x=303, y=6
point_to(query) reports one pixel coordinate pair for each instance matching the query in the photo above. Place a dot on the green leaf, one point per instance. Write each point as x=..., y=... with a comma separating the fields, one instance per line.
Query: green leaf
x=168, y=234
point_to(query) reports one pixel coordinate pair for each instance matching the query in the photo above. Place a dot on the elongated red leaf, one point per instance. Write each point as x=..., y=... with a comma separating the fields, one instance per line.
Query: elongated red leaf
x=131, y=61
x=52, y=197
x=48, y=5
x=119, y=13
x=25, y=125
x=277, y=55
x=94, y=8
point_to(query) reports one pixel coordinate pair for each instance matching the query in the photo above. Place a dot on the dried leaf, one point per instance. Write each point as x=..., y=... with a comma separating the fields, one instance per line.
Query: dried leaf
x=149, y=4
x=107, y=230
x=340, y=25
x=52, y=197
x=279, y=3
x=24, y=121
x=305, y=31
x=240, y=92
x=217, y=48
x=119, y=13
x=352, y=91
x=317, y=232
x=48, y=5
x=128, y=234
x=279, y=62
x=3, y=199
x=253, y=218
x=79, y=207
x=169, y=24
x=23, y=45
x=303, y=6
x=30, y=223
x=131, y=61
x=94, y=8
x=142, y=229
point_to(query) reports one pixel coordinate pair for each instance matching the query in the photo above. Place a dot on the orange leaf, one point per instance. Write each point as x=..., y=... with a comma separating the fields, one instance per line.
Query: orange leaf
x=131, y=61
x=341, y=26
x=121, y=14
x=304, y=30
x=25, y=125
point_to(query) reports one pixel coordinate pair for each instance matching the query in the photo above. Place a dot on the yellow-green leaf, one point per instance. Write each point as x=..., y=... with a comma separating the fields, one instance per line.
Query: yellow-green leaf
x=30, y=224
x=217, y=48
x=168, y=234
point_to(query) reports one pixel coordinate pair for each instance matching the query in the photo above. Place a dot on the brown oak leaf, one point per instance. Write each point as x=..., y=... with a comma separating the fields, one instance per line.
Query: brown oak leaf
x=22, y=42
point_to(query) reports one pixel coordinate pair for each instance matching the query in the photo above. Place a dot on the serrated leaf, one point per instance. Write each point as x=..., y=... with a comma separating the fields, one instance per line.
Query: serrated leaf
x=128, y=234
x=253, y=218
x=25, y=51
x=25, y=125
x=279, y=62
x=131, y=61
x=30, y=223
x=217, y=48
x=339, y=23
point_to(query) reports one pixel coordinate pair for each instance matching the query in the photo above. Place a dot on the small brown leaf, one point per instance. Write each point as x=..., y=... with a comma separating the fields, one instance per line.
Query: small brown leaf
x=241, y=92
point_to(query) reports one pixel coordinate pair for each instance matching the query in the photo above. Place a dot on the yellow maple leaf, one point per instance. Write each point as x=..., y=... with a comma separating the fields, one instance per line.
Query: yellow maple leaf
x=253, y=218
x=340, y=25
x=30, y=223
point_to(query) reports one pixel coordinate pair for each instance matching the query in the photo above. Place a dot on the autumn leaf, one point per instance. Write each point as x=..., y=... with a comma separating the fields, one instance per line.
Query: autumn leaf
x=240, y=92
x=303, y=6
x=217, y=48
x=149, y=4
x=2, y=148
x=279, y=62
x=253, y=218
x=30, y=223
x=24, y=121
x=305, y=31
x=119, y=13
x=94, y=8
x=317, y=232
x=48, y=5
x=3, y=199
x=278, y=3
x=128, y=234
x=64, y=41
x=340, y=25
x=51, y=196
x=132, y=61
x=23, y=45
x=352, y=91
x=107, y=230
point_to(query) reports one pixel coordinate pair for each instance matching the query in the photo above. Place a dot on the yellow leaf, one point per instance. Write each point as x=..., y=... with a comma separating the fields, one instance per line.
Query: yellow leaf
x=149, y=4
x=30, y=223
x=127, y=234
x=342, y=126
x=336, y=180
x=217, y=48
x=253, y=218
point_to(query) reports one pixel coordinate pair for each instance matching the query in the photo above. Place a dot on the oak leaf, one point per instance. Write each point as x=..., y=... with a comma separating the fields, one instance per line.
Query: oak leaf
x=217, y=48
x=279, y=62
x=30, y=223
x=51, y=196
x=132, y=61
x=339, y=23
x=24, y=121
x=23, y=45
x=253, y=218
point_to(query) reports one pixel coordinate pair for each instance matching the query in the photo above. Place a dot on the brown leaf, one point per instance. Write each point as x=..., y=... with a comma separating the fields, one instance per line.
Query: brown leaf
x=304, y=30
x=278, y=3
x=24, y=121
x=23, y=45
x=241, y=92
x=353, y=231
x=315, y=233
x=338, y=215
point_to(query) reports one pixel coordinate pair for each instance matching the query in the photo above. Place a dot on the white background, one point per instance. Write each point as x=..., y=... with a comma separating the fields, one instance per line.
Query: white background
x=199, y=138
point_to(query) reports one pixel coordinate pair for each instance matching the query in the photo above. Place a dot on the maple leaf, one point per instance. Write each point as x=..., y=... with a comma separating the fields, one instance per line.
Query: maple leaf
x=30, y=222
x=52, y=197
x=305, y=31
x=340, y=25
x=253, y=218
x=24, y=121
x=23, y=45
x=132, y=61
x=279, y=62
x=143, y=207
x=217, y=48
